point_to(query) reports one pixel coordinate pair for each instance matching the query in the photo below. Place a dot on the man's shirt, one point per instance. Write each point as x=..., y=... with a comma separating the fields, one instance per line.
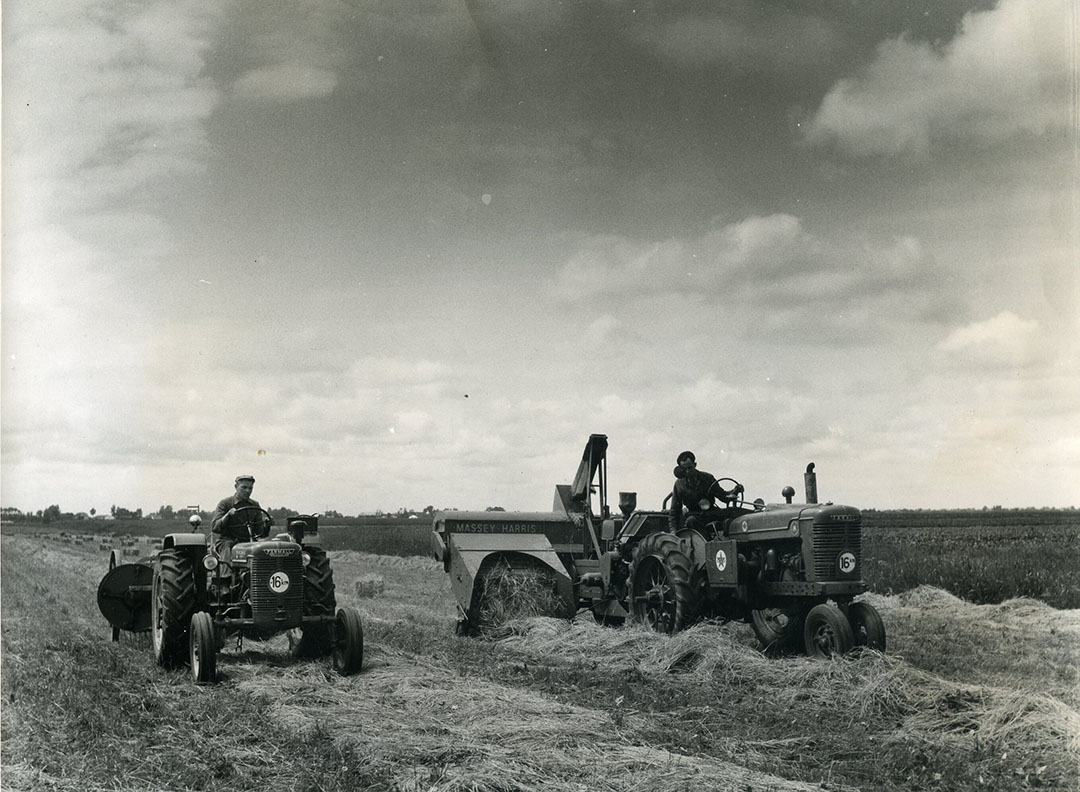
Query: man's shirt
x=690, y=491
x=236, y=528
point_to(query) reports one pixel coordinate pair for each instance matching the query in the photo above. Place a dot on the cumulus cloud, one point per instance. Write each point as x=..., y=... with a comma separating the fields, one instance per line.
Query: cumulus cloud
x=286, y=82
x=1006, y=72
x=1005, y=339
x=772, y=257
x=126, y=104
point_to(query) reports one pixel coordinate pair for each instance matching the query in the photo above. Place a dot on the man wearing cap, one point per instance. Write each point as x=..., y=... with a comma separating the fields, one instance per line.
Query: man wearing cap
x=227, y=527
x=697, y=490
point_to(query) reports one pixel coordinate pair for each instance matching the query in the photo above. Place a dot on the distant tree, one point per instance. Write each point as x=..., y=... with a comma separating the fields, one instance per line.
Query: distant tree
x=495, y=508
x=51, y=513
x=166, y=513
x=93, y=512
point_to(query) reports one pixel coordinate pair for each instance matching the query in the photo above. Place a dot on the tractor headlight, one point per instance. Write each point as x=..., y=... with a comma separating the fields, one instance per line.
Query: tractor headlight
x=306, y=558
x=210, y=562
x=705, y=504
x=793, y=527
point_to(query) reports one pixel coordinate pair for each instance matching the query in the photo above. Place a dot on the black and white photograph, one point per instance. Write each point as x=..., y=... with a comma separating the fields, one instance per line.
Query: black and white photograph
x=540, y=395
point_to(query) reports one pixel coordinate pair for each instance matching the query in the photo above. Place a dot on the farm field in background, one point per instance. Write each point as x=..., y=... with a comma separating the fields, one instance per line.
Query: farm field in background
x=985, y=557
x=969, y=697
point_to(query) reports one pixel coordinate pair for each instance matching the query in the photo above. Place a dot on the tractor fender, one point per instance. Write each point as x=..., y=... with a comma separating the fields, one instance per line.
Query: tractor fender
x=178, y=540
x=471, y=553
x=183, y=540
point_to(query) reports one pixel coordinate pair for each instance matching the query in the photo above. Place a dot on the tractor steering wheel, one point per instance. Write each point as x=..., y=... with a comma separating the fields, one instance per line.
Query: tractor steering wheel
x=734, y=496
x=250, y=521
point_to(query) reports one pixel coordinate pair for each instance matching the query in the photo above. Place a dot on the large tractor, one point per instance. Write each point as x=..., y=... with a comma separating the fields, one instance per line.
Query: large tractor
x=192, y=599
x=791, y=570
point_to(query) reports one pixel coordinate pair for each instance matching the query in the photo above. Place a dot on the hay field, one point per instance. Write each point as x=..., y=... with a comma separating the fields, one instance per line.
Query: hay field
x=970, y=697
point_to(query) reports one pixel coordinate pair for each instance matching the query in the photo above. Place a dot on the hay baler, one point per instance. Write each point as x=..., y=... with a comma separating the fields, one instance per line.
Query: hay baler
x=791, y=570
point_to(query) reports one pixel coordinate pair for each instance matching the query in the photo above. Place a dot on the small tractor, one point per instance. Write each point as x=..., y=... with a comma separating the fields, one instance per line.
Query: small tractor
x=791, y=570
x=191, y=599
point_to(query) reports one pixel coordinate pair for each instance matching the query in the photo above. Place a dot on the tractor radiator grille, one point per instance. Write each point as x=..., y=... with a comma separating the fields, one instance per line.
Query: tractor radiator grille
x=832, y=540
x=263, y=595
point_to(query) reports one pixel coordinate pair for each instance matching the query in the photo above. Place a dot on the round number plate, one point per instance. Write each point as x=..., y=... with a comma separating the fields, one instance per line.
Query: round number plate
x=279, y=582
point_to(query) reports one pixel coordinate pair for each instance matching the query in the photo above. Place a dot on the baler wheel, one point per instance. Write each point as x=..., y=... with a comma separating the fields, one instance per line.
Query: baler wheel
x=172, y=604
x=661, y=596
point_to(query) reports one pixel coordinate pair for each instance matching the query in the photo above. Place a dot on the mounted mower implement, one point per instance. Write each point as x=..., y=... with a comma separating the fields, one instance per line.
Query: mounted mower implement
x=791, y=570
x=191, y=599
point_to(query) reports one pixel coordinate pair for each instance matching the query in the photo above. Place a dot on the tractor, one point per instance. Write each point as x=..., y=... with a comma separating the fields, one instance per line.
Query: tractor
x=192, y=599
x=792, y=571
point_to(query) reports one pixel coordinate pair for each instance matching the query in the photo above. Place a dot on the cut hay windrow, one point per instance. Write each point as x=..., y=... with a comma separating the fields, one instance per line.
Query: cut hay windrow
x=440, y=732
x=1037, y=729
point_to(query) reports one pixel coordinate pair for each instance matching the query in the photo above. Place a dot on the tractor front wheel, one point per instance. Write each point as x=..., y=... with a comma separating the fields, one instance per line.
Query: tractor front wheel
x=661, y=595
x=203, y=649
x=171, y=605
x=866, y=626
x=348, y=650
x=827, y=632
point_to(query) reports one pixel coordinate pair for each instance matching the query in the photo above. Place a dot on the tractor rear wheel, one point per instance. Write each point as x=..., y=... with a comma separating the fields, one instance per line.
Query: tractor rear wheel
x=661, y=596
x=203, y=649
x=827, y=632
x=172, y=603
x=348, y=653
x=313, y=640
x=866, y=626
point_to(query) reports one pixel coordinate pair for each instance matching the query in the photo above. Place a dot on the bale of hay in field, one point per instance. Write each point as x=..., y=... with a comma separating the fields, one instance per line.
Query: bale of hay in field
x=370, y=585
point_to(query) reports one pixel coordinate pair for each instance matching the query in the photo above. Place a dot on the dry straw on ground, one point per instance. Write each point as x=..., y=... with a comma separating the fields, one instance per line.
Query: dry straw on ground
x=452, y=734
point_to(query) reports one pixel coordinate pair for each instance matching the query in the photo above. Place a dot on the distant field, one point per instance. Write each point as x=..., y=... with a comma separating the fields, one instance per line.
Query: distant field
x=984, y=557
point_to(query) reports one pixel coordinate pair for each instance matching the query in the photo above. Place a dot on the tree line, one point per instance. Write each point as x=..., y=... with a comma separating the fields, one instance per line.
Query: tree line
x=54, y=513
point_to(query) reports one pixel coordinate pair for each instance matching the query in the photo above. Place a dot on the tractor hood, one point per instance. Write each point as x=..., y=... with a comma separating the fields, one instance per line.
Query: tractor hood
x=273, y=548
x=781, y=515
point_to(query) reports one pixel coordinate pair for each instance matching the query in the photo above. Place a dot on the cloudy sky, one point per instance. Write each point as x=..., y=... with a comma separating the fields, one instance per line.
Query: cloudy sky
x=399, y=253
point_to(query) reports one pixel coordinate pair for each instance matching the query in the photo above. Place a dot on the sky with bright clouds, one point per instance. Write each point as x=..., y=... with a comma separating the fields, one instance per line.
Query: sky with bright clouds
x=385, y=254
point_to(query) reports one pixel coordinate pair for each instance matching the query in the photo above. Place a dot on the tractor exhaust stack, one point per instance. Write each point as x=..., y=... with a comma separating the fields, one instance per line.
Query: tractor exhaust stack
x=810, y=479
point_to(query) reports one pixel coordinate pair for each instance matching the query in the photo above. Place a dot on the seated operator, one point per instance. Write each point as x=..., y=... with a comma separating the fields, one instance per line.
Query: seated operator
x=692, y=488
x=228, y=527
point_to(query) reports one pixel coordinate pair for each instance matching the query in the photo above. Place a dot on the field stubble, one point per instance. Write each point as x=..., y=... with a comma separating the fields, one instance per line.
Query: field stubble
x=969, y=697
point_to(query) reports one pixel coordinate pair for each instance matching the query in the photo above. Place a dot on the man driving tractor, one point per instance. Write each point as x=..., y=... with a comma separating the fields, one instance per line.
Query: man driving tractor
x=696, y=490
x=237, y=517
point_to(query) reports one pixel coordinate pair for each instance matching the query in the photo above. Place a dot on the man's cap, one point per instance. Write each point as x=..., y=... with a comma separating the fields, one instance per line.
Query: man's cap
x=685, y=455
x=244, y=478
